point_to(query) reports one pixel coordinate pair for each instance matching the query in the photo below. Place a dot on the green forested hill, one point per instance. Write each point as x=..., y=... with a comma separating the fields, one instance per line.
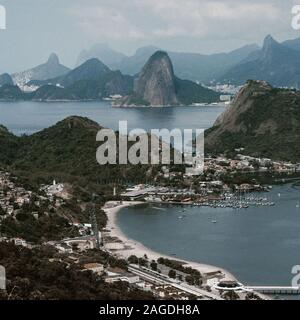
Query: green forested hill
x=67, y=148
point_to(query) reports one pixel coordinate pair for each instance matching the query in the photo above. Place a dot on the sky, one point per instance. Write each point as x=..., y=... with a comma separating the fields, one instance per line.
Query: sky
x=35, y=28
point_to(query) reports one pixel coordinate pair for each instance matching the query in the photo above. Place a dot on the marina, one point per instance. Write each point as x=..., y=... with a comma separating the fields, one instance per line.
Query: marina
x=238, y=200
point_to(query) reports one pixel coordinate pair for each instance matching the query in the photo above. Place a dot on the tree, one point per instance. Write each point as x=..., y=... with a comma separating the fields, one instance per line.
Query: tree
x=2, y=212
x=133, y=259
x=197, y=281
x=161, y=260
x=189, y=279
x=172, y=274
x=230, y=295
x=74, y=246
x=153, y=265
x=142, y=262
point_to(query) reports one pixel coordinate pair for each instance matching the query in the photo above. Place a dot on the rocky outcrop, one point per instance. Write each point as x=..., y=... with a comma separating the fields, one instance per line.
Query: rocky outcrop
x=51, y=69
x=263, y=120
x=6, y=79
x=156, y=85
x=243, y=101
x=156, y=82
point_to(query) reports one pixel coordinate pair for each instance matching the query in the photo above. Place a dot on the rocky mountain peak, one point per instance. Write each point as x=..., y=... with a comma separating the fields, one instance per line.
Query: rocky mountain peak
x=252, y=89
x=262, y=120
x=5, y=78
x=269, y=45
x=48, y=70
x=269, y=40
x=156, y=81
x=53, y=59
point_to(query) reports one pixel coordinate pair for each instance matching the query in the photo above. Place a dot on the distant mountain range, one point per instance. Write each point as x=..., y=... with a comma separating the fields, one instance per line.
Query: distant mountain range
x=293, y=44
x=102, y=52
x=275, y=62
x=52, y=68
x=157, y=85
x=263, y=120
x=93, y=80
x=279, y=64
x=191, y=66
x=90, y=81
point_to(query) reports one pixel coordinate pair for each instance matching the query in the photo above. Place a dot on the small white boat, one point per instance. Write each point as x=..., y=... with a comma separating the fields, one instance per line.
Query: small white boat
x=214, y=221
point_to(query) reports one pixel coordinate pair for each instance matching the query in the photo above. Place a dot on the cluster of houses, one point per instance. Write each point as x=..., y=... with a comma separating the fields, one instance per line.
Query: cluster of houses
x=213, y=171
x=247, y=163
x=210, y=185
x=17, y=242
x=221, y=165
x=53, y=190
x=214, y=190
x=72, y=245
x=264, y=164
x=12, y=197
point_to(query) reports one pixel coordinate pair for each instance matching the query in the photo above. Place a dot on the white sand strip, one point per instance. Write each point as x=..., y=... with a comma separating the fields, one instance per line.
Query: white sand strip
x=135, y=248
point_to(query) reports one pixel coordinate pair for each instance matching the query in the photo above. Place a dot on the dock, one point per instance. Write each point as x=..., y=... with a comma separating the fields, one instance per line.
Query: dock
x=275, y=289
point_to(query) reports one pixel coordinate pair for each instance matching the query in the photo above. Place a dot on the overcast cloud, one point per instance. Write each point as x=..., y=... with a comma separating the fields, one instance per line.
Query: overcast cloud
x=37, y=27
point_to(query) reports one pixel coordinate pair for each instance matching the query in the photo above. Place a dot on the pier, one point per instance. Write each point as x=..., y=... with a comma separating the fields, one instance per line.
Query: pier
x=275, y=289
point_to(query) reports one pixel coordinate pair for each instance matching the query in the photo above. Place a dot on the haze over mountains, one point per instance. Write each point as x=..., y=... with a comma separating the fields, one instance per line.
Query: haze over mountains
x=52, y=68
x=102, y=52
x=276, y=63
x=93, y=80
x=191, y=66
x=108, y=72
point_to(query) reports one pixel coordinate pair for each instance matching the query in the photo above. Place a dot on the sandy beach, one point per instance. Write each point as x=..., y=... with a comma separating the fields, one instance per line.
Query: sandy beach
x=126, y=247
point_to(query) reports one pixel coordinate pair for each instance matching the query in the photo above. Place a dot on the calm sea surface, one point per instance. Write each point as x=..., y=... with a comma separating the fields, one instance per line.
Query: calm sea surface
x=29, y=117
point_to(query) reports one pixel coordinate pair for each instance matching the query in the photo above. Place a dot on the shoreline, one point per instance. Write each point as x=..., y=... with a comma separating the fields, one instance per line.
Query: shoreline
x=127, y=247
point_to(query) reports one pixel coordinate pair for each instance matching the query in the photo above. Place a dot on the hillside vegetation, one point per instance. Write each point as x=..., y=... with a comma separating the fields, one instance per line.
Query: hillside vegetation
x=263, y=120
